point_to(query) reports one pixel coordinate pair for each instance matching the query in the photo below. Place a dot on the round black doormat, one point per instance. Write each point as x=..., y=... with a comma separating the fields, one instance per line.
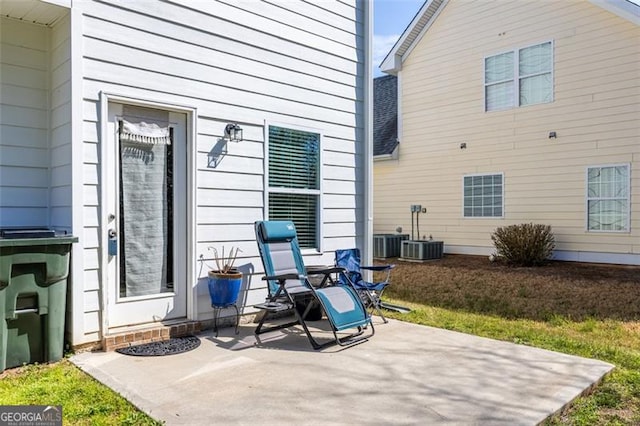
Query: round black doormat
x=175, y=345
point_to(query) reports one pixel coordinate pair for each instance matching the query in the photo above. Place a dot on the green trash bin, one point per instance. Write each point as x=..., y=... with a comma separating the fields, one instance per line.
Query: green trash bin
x=34, y=267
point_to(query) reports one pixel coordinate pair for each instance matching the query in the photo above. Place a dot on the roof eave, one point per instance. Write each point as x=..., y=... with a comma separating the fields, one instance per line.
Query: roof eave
x=391, y=64
x=623, y=8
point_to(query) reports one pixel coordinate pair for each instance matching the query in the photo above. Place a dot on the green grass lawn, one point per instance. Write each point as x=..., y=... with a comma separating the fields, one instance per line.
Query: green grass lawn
x=84, y=401
x=589, y=311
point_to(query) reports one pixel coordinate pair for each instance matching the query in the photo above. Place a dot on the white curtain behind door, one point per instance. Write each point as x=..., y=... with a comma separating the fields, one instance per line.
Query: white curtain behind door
x=144, y=141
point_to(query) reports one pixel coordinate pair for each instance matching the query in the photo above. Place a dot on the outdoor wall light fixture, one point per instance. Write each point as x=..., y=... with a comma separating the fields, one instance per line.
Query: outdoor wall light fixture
x=463, y=145
x=233, y=132
x=552, y=135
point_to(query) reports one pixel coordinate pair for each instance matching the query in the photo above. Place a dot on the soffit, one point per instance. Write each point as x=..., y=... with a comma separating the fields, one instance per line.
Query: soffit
x=35, y=11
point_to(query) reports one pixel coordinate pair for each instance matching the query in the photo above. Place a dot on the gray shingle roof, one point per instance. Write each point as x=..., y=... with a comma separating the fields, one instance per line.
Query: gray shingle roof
x=385, y=114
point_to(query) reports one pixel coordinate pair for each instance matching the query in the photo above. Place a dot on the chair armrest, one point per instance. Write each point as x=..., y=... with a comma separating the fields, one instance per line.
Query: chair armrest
x=378, y=268
x=333, y=270
x=281, y=277
x=327, y=274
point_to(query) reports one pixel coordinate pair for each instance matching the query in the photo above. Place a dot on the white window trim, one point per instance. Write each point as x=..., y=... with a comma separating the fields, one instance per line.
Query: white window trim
x=319, y=192
x=515, y=102
x=586, y=199
x=503, y=192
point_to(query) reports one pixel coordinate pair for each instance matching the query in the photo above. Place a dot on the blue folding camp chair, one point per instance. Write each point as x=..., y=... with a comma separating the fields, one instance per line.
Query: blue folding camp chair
x=370, y=292
x=289, y=289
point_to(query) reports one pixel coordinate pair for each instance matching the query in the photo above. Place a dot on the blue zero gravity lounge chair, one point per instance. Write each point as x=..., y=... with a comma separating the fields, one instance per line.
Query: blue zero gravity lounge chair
x=289, y=288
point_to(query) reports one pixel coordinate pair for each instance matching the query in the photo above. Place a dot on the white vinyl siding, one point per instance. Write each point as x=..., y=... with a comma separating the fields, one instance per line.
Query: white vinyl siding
x=608, y=198
x=483, y=195
x=295, y=181
x=518, y=78
x=232, y=62
x=24, y=124
x=299, y=63
x=35, y=136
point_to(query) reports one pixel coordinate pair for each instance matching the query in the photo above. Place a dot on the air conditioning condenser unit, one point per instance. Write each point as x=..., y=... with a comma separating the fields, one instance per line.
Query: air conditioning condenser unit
x=421, y=250
x=388, y=245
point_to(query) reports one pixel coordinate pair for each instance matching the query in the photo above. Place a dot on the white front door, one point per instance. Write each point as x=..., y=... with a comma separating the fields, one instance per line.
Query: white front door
x=147, y=215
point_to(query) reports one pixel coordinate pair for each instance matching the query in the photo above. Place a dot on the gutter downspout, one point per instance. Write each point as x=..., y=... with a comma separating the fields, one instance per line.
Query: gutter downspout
x=368, y=132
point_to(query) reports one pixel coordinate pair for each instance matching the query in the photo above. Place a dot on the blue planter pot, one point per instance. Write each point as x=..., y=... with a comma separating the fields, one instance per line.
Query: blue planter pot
x=224, y=288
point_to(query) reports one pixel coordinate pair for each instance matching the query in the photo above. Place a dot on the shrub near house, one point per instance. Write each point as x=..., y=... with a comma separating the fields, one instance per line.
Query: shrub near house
x=526, y=244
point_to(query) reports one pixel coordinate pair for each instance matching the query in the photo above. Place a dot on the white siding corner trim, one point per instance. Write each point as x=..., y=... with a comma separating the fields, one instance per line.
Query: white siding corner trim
x=368, y=135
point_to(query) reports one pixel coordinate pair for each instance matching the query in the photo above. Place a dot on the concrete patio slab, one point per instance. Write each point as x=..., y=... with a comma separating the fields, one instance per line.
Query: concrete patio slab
x=405, y=374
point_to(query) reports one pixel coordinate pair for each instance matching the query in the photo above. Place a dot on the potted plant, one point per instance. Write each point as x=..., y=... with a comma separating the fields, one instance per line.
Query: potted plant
x=225, y=281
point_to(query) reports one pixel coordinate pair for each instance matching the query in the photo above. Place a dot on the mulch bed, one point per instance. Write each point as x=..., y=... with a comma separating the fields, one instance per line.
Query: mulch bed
x=569, y=289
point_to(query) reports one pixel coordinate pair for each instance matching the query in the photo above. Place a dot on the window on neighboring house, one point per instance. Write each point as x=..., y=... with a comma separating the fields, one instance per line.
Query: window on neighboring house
x=294, y=181
x=520, y=77
x=608, y=198
x=483, y=195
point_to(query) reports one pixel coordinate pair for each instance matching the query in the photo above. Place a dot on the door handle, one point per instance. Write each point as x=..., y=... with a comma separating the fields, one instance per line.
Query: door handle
x=113, y=242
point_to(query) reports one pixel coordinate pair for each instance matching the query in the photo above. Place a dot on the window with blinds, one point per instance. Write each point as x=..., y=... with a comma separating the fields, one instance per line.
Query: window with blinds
x=294, y=181
x=519, y=77
x=608, y=189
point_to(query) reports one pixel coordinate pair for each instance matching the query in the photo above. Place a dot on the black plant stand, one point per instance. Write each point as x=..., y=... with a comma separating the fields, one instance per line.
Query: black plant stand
x=216, y=315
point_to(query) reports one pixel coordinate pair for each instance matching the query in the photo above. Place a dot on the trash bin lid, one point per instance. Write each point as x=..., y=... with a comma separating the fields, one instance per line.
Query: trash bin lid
x=27, y=233
x=24, y=236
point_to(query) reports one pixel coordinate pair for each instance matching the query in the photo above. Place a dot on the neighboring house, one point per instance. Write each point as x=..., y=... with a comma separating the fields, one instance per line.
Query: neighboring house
x=518, y=111
x=113, y=118
x=385, y=117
